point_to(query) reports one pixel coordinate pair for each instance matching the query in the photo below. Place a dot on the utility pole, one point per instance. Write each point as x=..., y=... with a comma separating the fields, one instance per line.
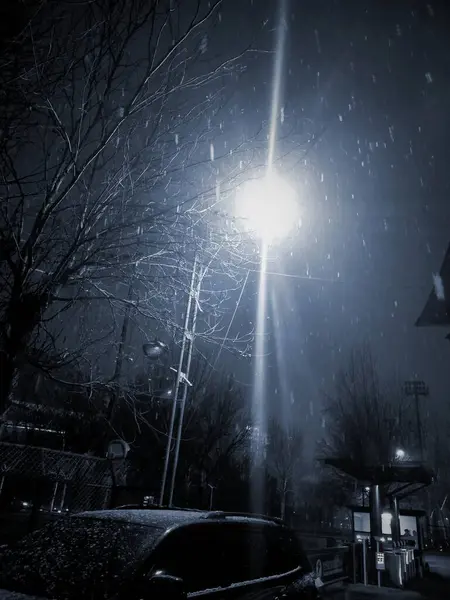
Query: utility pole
x=417, y=389
x=181, y=377
x=191, y=338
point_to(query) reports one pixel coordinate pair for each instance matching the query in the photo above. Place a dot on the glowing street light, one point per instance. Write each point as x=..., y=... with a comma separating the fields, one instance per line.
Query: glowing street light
x=268, y=207
x=400, y=454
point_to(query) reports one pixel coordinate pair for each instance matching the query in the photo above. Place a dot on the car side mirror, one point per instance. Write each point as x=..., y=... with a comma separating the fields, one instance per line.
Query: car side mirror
x=162, y=586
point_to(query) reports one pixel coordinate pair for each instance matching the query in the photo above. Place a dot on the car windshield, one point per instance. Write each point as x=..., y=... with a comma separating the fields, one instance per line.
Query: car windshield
x=78, y=558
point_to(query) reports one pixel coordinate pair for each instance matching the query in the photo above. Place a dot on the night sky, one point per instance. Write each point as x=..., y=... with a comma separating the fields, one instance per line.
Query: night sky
x=369, y=79
x=373, y=77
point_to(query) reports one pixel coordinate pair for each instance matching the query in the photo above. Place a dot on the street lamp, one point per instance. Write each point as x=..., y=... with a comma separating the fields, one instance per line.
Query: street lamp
x=269, y=210
x=154, y=350
x=267, y=207
x=400, y=454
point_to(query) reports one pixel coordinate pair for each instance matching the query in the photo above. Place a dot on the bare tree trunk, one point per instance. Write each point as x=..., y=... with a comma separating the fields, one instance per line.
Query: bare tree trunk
x=283, y=500
x=120, y=355
x=23, y=313
x=8, y=372
x=283, y=506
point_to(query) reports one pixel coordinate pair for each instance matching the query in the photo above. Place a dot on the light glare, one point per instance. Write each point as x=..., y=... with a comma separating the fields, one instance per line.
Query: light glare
x=268, y=207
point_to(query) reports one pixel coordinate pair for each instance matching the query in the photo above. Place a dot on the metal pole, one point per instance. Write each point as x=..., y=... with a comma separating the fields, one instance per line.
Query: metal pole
x=177, y=382
x=364, y=547
x=375, y=515
x=52, y=503
x=185, y=386
x=419, y=425
x=395, y=523
x=378, y=570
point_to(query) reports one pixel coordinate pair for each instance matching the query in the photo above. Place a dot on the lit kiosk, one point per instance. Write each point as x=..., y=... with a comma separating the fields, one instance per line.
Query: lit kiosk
x=393, y=554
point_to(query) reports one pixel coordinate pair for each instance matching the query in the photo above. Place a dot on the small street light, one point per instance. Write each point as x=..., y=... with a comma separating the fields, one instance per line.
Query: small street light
x=400, y=454
x=155, y=349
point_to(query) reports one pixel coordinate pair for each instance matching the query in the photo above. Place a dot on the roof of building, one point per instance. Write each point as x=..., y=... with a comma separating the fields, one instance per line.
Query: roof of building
x=436, y=311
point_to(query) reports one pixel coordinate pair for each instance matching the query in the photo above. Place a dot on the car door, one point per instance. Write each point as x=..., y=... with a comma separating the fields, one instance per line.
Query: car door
x=222, y=561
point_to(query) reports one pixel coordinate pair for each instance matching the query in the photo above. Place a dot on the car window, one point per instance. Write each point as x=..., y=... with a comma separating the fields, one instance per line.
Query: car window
x=215, y=555
x=193, y=553
x=285, y=552
x=246, y=552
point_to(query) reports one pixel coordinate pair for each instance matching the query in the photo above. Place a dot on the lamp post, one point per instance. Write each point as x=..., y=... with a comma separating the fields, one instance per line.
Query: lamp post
x=194, y=293
x=182, y=377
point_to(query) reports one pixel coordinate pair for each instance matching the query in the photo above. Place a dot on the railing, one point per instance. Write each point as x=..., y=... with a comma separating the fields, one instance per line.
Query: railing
x=58, y=481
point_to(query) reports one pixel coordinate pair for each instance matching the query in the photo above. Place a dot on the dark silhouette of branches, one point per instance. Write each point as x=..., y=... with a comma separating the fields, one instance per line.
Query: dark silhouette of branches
x=367, y=419
x=284, y=457
x=108, y=170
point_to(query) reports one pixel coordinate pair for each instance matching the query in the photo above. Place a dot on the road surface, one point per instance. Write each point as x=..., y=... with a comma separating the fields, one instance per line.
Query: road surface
x=439, y=564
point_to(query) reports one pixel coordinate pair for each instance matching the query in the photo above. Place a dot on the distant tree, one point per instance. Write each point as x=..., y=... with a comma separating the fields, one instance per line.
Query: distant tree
x=367, y=419
x=213, y=446
x=215, y=436
x=321, y=499
x=284, y=459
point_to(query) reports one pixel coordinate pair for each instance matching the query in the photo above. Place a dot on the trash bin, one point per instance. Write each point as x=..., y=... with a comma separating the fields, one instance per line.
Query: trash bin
x=394, y=567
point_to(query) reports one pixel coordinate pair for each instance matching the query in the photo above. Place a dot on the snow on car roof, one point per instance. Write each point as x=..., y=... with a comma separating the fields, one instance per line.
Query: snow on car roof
x=161, y=518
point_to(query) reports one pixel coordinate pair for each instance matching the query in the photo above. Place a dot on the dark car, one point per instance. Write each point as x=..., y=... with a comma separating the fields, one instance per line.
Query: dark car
x=159, y=554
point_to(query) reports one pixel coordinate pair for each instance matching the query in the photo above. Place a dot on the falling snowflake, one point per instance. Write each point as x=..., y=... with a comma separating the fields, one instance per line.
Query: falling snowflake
x=282, y=114
x=429, y=77
x=211, y=152
x=438, y=287
x=120, y=111
x=176, y=139
x=204, y=44
x=316, y=34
